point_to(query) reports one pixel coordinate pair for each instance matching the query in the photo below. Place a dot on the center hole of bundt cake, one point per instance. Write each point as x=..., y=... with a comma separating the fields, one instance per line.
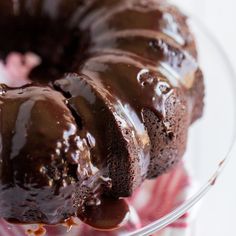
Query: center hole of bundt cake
x=54, y=47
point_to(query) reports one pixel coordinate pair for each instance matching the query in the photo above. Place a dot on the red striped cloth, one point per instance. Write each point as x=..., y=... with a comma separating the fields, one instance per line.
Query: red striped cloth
x=154, y=199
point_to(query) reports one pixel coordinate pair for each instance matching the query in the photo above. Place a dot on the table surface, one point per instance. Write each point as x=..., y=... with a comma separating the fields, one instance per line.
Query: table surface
x=216, y=212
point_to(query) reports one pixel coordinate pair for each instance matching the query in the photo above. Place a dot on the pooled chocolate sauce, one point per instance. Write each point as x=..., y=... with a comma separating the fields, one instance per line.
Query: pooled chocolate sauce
x=110, y=214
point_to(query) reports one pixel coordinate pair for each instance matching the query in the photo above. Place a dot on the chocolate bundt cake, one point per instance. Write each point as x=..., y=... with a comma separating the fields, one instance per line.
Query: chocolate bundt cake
x=108, y=105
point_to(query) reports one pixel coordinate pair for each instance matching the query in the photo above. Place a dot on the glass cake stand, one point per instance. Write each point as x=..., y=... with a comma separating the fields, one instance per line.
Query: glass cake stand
x=211, y=139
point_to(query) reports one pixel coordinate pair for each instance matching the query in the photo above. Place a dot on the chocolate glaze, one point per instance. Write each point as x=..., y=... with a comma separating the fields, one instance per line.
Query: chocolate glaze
x=109, y=105
x=44, y=156
x=153, y=51
x=150, y=15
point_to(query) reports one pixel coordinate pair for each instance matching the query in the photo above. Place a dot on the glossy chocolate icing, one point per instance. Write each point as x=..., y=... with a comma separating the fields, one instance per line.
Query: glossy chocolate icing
x=109, y=105
x=43, y=154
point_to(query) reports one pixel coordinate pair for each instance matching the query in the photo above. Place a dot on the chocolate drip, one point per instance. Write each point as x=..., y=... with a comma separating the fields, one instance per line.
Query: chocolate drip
x=109, y=215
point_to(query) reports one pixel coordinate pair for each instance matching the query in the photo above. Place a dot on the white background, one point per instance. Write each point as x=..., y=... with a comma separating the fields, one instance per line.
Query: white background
x=217, y=214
